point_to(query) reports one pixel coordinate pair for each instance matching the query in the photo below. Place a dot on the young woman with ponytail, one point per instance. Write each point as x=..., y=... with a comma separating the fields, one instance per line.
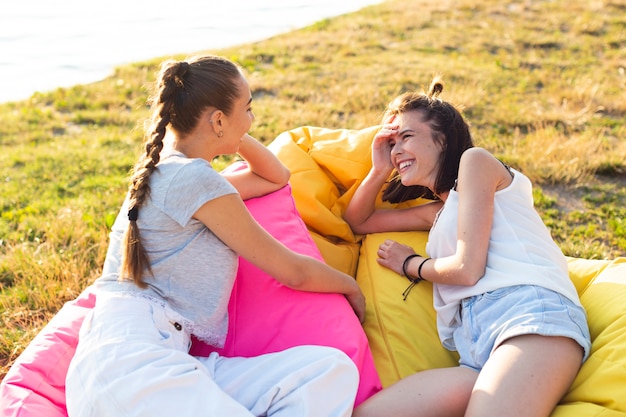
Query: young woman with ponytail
x=171, y=264
x=501, y=288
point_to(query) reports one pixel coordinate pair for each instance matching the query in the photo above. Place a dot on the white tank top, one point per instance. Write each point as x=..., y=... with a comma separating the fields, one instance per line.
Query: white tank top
x=521, y=251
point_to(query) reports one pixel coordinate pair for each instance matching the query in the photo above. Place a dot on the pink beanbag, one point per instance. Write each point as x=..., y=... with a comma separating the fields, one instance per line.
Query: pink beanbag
x=264, y=317
x=35, y=384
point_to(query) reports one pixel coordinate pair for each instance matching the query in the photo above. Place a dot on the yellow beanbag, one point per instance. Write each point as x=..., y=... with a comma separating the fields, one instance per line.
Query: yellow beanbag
x=600, y=387
x=327, y=166
x=402, y=333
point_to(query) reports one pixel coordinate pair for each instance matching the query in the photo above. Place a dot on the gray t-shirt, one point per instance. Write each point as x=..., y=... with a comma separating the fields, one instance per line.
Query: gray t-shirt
x=193, y=270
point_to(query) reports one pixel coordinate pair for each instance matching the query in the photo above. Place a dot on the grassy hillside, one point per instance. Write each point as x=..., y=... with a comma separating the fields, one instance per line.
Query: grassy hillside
x=541, y=82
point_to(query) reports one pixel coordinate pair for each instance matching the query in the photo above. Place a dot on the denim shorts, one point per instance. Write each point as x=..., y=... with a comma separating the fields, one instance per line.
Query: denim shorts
x=491, y=318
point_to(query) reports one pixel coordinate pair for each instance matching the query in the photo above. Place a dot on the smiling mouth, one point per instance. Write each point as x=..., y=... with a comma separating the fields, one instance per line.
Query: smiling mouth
x=404, y=164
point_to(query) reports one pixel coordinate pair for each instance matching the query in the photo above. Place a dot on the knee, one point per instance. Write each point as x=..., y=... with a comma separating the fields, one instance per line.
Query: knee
x=342, y=372
x=343, y=360
x=335, y=361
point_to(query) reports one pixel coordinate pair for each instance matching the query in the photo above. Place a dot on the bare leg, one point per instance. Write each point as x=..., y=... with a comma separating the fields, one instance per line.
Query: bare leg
x=525, y=376
x=431, y=393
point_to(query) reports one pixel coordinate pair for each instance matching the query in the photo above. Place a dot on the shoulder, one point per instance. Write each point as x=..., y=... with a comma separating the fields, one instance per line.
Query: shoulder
x=191, y=178
x=480, y=164
x=187, y=169
x=478, y=155
x=479, y=159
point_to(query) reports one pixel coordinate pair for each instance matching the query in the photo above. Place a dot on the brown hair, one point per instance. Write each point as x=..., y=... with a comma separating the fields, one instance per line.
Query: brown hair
x=183, y=90
x=448, y=128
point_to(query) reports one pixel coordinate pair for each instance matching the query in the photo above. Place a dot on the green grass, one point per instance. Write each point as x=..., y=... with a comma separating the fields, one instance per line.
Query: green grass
x=542, y=84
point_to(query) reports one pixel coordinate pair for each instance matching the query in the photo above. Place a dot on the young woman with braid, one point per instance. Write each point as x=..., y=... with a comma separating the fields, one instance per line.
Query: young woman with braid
x=501, y=288
x=170, y=269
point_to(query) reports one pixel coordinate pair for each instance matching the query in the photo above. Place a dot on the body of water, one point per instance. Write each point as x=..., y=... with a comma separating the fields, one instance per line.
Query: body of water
x=48, y=44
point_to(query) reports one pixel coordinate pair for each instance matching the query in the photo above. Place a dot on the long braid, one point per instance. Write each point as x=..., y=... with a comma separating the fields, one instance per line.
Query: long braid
x=183, y=92
x=134, y=257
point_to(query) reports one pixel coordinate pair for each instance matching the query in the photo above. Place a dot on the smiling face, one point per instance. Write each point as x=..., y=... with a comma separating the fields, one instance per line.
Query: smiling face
x=432, y=137
x=414, y=152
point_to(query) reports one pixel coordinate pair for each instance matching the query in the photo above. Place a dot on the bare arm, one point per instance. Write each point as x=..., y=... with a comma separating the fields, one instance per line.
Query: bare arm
x=361, y=213
x=264, y=174
x=480, y=176
x=229, y=219
x=362, y=205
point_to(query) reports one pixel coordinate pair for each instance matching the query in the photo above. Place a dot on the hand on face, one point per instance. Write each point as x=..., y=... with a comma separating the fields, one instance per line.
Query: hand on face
x=381, y=146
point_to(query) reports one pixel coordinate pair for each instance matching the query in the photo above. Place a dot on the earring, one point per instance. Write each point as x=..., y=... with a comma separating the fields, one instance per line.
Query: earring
x=219, y=135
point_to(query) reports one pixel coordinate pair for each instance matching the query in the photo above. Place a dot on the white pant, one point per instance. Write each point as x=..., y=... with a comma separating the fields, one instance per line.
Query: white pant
x=132, y=361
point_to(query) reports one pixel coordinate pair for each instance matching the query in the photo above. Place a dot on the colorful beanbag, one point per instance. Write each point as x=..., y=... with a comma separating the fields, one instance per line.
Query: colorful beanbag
x=265, y=317
x=600, y=387
x=327, y=166
x=402, y=333
x=35, y=384
x=324, y=175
